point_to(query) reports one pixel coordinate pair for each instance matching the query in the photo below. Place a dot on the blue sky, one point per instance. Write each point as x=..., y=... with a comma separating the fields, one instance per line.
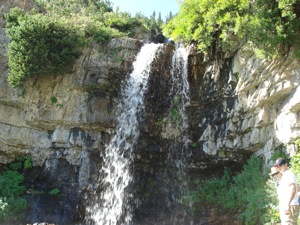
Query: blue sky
x=146, y=7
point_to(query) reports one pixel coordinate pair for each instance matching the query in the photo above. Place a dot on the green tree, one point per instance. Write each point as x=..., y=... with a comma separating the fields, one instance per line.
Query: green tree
x=273, y=26
x=153, y=16
x=169, y=17
x=221, y=26
x=159, y=20
x=68, y=8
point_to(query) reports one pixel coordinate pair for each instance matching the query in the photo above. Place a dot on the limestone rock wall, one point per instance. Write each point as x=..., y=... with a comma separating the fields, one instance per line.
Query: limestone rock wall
x=265, y=113
x=269, y=93
x=64, y=112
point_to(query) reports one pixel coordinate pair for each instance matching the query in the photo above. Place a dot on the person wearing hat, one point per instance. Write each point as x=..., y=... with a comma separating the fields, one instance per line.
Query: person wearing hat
x=275, y=174
x=287, y=194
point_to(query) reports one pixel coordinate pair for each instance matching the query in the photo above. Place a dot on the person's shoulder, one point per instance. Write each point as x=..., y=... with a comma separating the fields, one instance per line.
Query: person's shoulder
x=288, y=174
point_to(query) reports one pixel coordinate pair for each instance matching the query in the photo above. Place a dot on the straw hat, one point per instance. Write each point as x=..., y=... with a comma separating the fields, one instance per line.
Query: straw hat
x=273, y=171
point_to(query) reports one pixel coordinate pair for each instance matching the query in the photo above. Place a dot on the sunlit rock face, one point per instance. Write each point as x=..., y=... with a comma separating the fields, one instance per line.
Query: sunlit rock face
x=268, y=94
x=56, y=112
x=261, y=111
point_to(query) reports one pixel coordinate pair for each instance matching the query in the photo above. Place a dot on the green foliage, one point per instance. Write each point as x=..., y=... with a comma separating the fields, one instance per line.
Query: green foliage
x=22, y=162
x=295, y=161
x=273, y=26
x=48, y=42
x=10, y=181
x=11, y=202
x=209, y=22
x=96, y=19
x=297, y=143
x=54, y=100
x=54, y=192
x=244, y=194
x=174, y=114
x=194, y=145
x=38, y=46
x=67, y=8
x=213, y=190
x=121, y=21
x=219, y=26
x=272, y=210
x=278, y=154
x=250, y=190
x=27, y=162
x=295, y=164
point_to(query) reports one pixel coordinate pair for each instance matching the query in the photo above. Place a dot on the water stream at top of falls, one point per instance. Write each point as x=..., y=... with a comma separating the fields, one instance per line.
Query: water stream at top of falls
x=111, y=207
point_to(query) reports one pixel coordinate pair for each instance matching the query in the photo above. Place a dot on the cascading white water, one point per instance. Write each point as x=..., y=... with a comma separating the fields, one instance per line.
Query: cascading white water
x=180, y=93
x=180, y=87
x=112, y=206
x=179, y=151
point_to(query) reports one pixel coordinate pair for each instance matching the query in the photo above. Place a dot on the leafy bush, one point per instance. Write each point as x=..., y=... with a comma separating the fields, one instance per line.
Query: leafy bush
x=273, y=26
x=48, y=42
x=85, y=17
x=96, y=19
x=11, y=202
x=295, y=164
x=12, y=205
x=38, y=47
x=210, y=191
x=246, y=194
x=70, y=7
x=122, y=22
x=22, y=162
x=219, y=26
x=295, y=161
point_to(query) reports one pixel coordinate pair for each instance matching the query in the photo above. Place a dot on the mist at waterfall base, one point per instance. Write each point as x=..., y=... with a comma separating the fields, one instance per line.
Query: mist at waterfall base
x=113, y=205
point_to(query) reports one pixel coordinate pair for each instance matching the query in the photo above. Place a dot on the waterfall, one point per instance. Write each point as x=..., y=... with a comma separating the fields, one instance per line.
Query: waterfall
x=112, y=206
x=180, y=88
x=179, y=151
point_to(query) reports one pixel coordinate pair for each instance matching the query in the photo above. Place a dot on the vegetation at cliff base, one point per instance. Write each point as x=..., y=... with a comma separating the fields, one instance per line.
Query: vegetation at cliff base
x=251, y=195
x=12, y=204
x=245, y=194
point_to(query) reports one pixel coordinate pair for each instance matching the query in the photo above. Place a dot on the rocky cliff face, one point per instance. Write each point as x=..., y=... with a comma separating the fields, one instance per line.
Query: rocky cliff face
x=258, y=107
x=64, y=123
x=268, y=93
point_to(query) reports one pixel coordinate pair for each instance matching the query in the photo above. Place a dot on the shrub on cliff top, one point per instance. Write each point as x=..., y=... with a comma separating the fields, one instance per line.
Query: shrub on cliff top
x=38, y=46
x=47, y=42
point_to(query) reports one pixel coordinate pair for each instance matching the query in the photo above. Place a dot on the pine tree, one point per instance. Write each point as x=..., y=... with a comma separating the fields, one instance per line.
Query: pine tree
x=169, y=16
x=159, y=20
